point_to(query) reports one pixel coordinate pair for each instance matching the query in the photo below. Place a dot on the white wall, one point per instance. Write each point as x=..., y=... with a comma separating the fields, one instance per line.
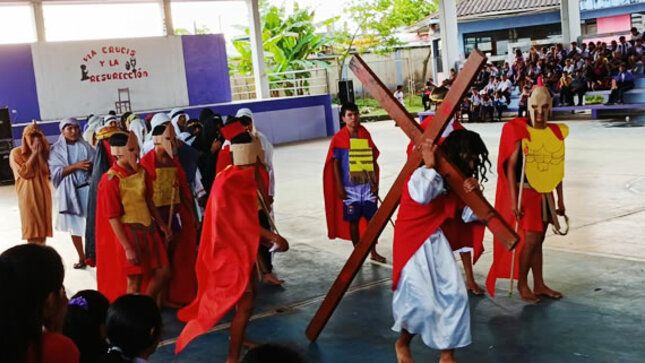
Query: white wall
x=159, y=80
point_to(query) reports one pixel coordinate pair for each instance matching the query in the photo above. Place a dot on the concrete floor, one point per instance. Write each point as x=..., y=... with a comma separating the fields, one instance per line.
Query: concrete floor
x=599, y=265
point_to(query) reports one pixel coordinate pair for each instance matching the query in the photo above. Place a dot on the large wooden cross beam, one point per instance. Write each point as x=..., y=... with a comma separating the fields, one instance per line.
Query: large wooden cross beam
x=475, y=200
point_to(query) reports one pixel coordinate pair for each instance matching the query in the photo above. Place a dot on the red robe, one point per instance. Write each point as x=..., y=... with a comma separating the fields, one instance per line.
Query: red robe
x=458, y=233
x=336, y=226
x=415, y=223
x=183, y=285
x=227, y=254
x=111, y=276
x=512, y=132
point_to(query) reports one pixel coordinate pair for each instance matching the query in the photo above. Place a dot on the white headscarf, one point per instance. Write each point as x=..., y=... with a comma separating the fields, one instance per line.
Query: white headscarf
x=138, y=127
x=175, y=114
x=93, y=125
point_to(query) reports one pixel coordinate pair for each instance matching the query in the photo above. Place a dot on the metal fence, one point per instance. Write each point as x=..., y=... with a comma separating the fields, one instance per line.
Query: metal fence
x=284, y=84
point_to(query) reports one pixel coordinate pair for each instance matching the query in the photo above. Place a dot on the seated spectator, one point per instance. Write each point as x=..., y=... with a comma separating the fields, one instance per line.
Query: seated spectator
x=491, y=86
x=578, y=62
x=639, y=50
x=505, y=86
x=425, y=97
x=634, y=64
x=133, y=328
x=574, y=49
x=500, y=104
x=584, y=51
x=486, y=108
x=32, y=307
x=464, y=108
x=475, y=105
x=615, y=62
x=600, y=70
x=398, y=94
x=613, y=46
x=85, y=324
x=452, y=77
x=518, y=56
x=621, y=83
x=271, y=353
x=623, y=45
x=566, y=97
x=524, y=101
x=506, y=70
x=568, y=66
x=578, y=87
x=636, y=35
x=533, y=56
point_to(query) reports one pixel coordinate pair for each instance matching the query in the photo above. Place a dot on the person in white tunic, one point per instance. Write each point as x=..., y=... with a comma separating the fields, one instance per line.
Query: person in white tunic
x=70, y=171
x=430, y=298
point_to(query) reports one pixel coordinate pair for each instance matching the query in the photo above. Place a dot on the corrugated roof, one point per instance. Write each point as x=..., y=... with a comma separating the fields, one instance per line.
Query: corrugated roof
x=482, y=7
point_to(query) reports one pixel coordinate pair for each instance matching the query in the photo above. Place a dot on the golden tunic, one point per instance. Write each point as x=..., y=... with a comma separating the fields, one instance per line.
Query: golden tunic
x=164, y=187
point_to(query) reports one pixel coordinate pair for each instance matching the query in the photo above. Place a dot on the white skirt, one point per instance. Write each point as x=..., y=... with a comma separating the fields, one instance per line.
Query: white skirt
x=72, y=223
x=431, y=299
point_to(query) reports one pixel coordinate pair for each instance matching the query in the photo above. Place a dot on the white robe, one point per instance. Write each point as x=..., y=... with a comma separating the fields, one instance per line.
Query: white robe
x=431, y=299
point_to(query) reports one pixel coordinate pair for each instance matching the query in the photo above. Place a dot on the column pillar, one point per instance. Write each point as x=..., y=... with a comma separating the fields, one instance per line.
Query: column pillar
x=257, y=51
x=570, y=19
x=167, y=17
x=39, y=20
x=449, y=34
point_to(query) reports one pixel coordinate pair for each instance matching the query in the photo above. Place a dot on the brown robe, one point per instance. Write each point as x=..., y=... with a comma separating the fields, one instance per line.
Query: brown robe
x=32, y=187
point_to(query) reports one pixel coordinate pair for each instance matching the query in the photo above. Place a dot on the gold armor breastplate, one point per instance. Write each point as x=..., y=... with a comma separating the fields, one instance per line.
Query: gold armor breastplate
x=164, y=187
x=133, y=197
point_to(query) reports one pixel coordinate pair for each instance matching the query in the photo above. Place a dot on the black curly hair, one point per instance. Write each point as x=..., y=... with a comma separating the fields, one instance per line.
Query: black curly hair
x=462, y=145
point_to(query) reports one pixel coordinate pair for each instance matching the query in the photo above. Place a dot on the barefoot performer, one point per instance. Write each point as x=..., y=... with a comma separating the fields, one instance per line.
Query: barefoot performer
x=544, y=171
x=174, y=200
x=430, y=297
x=229, y=245
x=350, y=180
x=467, y=239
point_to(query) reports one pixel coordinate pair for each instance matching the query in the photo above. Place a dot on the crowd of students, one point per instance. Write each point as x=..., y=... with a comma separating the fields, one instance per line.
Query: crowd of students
x=566, y=72
x=39, y=324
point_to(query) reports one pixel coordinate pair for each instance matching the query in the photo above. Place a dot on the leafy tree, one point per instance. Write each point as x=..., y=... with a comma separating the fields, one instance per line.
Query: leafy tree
x=202, y=29
x=289, y=41
x=376, y=25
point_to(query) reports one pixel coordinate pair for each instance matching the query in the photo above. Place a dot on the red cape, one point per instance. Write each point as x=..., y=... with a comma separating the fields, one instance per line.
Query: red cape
x=223, y=159
x=458, y=233
x=227, y=252
x=183, y=285
x=336, y=226
x=512, y=132
x=415, y=223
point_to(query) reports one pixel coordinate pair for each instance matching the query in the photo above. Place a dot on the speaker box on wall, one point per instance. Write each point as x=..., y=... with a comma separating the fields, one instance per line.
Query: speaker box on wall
x=5, y=124
x=346, y=91
x=6, y=175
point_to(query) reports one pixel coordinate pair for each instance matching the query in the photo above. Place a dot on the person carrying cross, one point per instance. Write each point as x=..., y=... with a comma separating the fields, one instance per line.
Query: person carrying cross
x=350, y=179
x=430, y=297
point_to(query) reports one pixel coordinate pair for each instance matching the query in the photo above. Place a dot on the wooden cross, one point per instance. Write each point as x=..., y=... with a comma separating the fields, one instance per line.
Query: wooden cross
x=453, y=177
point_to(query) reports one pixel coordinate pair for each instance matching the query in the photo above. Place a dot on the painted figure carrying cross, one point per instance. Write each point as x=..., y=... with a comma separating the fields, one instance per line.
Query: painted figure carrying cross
x=445, y=169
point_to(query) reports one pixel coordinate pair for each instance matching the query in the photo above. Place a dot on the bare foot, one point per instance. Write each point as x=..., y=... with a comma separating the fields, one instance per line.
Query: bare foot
x=376, y=257
x=447, y=356
x=546, y=291
x=403, y=354
x=270, y=279
x=474, y=288
x=528, y=295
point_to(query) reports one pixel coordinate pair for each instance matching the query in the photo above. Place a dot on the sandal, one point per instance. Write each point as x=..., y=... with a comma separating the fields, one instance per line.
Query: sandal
x=79, y=265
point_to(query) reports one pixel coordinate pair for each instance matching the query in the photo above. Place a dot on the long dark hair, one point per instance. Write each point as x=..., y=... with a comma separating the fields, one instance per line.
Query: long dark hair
x=86, y=312
x=133, y=326
x=28, y=275
x=461, y=145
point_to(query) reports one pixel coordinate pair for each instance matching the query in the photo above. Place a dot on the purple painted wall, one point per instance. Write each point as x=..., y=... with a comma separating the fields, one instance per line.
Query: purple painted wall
x=206, y=69
x=18, y=83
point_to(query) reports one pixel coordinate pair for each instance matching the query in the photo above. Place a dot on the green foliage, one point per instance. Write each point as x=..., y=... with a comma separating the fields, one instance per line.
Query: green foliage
x=289, y=41
x=377, y=24
x=202, y=29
